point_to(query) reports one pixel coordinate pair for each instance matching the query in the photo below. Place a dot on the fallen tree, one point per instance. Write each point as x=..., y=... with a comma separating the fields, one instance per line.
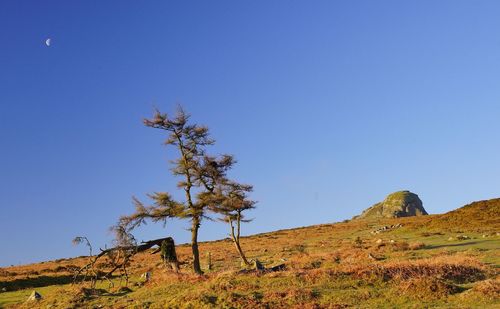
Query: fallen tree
x=119, y=258
x=145, y=245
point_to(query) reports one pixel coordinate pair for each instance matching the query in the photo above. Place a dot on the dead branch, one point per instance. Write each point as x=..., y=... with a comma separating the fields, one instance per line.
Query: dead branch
x=119, y=263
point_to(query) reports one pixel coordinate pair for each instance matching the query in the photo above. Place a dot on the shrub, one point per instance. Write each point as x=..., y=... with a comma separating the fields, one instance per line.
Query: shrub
x=316, y=264
x=416, y=245
x=400, y=246
x=299, y=248
x=208, y=299
x=84, y=292
x=488, y=288
x=60, y=269
x=427, y=234
x=427, y=288
x=458, y=270
x=5, y=273
x=358, y=242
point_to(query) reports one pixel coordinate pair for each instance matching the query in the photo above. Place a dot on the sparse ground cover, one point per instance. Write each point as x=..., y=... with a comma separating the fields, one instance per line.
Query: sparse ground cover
x=429, y=261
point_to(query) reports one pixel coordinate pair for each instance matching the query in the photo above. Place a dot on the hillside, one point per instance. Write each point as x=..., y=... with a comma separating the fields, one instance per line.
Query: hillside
x=478, y=216
x=399, y=262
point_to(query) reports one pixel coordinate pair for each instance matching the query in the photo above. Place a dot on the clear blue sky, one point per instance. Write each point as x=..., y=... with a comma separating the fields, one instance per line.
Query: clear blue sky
x=327, y=105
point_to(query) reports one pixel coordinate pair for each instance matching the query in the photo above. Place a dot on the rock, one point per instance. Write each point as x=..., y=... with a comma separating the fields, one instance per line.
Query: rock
x=396, y=205
x=451, y=239
x=379, y=241
x=462, y=237
x=258, y=265
x=279, y=267
x=385, y=228
x=35, y=296
x=372, y=257
x=146, y=276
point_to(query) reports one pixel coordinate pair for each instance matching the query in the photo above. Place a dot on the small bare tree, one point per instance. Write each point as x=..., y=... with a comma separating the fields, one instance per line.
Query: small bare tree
x=230, y=200
x=89, y=270
x=119, y=258
x=121, y=255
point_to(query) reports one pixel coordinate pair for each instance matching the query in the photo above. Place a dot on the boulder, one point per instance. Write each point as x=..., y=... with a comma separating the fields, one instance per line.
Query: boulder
x=258, y=265
x=35, y=296
x=395, y=205
x=146, y=276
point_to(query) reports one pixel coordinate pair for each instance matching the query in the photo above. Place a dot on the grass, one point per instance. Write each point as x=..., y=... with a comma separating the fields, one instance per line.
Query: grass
x=327, y=266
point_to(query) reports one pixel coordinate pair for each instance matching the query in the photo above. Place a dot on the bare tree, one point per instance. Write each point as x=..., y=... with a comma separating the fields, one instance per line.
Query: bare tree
x=89, y=269
x=231, y=201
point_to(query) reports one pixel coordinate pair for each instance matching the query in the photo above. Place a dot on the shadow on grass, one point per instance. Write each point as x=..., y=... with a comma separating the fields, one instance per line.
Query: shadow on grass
x=453, y=245
x=117, y=294
x=89, y=293
x=35, y=282
x=121, y=292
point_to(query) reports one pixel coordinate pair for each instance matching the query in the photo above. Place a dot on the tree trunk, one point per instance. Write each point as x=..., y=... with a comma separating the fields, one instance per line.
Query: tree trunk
x=175, y=266
x=242, y=255
x=209, y=261
x=194, y=246
x=236, y=241
x=195, y=221
x=168, y=254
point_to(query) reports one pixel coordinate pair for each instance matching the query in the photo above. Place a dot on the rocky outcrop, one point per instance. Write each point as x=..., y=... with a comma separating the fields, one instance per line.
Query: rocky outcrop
x=396, y=205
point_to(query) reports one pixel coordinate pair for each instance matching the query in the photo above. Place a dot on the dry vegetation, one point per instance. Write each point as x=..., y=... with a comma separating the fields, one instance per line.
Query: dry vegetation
x=327, y=266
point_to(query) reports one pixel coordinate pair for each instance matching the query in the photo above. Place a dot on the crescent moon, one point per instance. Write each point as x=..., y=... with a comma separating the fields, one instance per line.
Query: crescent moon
x=48, y=41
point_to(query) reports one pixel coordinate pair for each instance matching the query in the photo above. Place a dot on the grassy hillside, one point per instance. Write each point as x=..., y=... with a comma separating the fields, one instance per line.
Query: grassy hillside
x=447, y=261
x=483, y=215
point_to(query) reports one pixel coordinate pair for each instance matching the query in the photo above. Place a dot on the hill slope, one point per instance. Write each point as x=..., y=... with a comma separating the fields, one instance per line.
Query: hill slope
x=409, y=263
x=475, y=216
